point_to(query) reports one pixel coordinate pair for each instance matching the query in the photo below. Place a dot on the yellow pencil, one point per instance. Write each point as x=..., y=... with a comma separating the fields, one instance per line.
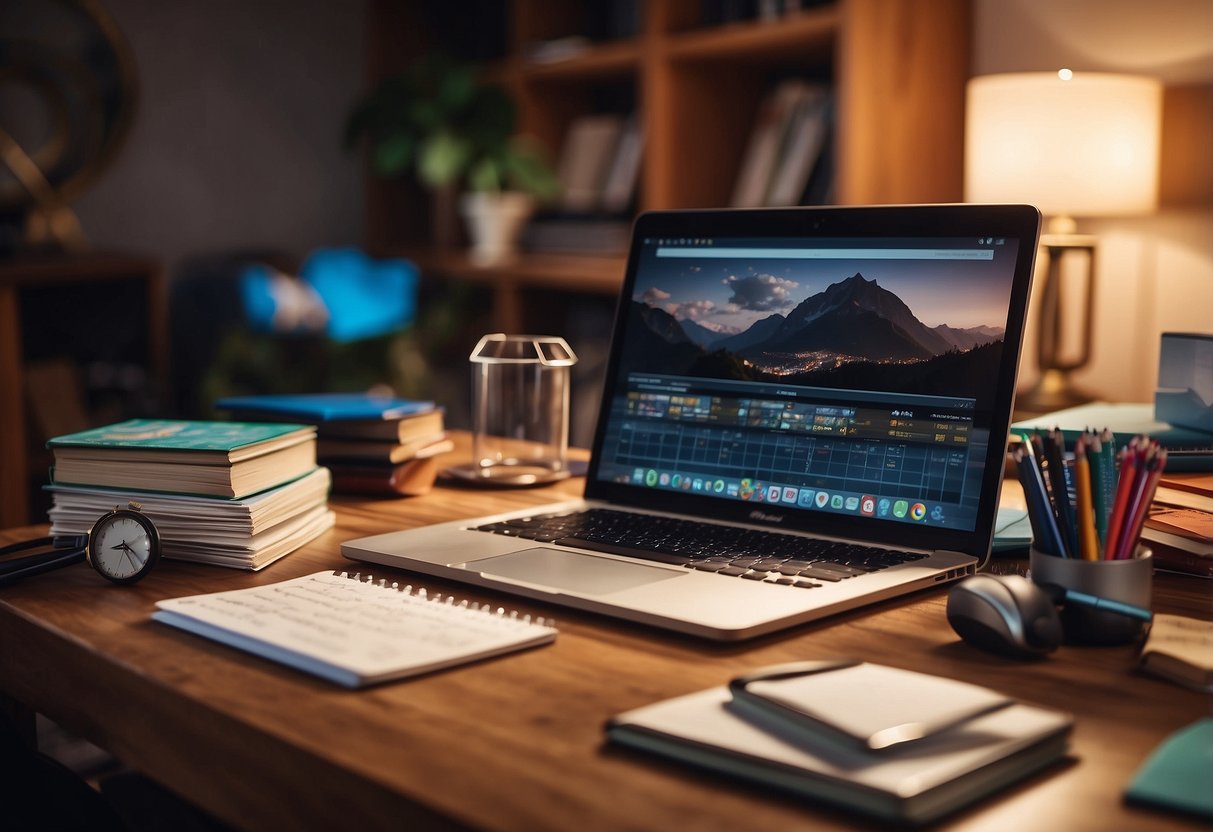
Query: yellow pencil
x=1088, y=540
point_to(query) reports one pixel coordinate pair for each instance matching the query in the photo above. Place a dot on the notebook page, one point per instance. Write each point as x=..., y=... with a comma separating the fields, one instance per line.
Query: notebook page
x=371, y=630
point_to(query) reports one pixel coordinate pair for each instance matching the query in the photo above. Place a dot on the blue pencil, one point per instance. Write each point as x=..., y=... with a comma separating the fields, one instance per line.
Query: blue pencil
x=1044, y=525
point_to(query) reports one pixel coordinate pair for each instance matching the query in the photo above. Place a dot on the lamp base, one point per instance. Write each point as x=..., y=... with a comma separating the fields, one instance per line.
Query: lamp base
x=1053, y=392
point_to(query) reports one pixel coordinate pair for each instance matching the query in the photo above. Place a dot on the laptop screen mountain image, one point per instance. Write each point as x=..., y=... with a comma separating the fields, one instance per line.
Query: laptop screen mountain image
x=805, y=410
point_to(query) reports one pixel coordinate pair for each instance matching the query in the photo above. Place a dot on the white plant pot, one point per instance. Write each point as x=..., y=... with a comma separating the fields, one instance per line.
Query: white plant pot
x=494, y=222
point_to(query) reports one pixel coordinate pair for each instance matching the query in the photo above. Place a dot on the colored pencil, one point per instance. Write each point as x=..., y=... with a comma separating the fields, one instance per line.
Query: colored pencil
x=1129, y=464
x=1088, y=541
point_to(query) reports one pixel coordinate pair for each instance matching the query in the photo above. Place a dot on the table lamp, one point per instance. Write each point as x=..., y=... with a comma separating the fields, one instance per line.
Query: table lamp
x=1074, y=145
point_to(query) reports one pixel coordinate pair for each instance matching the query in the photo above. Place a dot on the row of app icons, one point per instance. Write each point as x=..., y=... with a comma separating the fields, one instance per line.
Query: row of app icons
x=759, y=492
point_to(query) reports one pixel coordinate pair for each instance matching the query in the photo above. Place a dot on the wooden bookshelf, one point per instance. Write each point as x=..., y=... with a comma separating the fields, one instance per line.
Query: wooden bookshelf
x=898, y=68
x=69, y=310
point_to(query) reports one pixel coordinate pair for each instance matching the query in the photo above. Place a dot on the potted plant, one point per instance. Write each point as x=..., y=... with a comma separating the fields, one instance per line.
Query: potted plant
x=439, y=121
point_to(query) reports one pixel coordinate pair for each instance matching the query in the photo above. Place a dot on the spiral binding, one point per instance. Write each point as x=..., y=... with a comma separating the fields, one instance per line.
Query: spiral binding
x=421, y=593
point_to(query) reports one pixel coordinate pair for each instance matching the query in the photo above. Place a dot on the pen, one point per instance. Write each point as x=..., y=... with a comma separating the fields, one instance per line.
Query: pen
x=1054, y=453
x=1060, y=595
x=1042, y=462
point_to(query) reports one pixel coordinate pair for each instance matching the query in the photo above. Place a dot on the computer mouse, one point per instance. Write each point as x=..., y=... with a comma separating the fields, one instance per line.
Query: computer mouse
x=1006, y=614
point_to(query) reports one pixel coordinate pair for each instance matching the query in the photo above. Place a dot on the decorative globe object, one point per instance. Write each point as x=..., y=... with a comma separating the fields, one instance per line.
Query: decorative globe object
x=67, y=97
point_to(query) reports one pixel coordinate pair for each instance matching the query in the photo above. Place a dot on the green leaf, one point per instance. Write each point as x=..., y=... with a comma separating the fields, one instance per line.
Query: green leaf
x=393, y=154
x=443, y=158
x=485, y=175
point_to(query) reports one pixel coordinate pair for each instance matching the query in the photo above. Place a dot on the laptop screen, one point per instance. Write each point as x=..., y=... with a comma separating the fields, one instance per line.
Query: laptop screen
x=856, y=380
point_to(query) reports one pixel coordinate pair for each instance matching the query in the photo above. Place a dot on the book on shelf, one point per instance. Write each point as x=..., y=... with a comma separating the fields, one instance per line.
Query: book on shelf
x=584, y=234
x=1180, y=648
x=623, y=173
x=319, y=408
x=353, y=630
x=951, y=764
x=219, y=459
x=585, y=160
x=807, y=131
x=594, y=217
x=247, y=533
x=783, y=135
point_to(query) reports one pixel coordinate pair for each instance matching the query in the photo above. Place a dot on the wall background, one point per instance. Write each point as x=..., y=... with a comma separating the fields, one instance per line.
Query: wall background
x=236, y=145
x=237, y=140
x=1154, y=274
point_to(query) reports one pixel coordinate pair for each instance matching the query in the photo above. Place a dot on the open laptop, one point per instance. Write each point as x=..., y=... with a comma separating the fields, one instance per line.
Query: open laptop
x=805, y=411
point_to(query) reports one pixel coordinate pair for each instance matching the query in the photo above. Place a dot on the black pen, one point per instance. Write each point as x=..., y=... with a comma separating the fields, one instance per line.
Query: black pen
x=1055, y=446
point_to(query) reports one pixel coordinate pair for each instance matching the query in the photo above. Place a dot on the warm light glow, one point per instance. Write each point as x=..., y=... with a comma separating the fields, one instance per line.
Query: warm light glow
x=1084, y=146
x=1065, y=74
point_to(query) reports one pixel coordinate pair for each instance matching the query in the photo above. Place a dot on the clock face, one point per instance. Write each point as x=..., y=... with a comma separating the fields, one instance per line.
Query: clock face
x=123, y=546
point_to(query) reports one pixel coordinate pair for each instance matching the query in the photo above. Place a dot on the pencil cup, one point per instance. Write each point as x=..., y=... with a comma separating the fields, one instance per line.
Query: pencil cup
x=1128, y=581
x=520, y=409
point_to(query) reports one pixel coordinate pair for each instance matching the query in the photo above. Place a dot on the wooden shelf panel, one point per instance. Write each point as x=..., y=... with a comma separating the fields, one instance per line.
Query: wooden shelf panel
x=601, y=275
x=614, y=59
x=793, y=38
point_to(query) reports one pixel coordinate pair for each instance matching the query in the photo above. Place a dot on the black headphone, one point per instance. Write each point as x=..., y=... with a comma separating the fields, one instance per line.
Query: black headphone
x=66, y=549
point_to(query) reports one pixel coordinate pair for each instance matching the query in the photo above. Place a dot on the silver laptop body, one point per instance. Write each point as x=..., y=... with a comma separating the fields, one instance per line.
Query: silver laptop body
x=843, y=374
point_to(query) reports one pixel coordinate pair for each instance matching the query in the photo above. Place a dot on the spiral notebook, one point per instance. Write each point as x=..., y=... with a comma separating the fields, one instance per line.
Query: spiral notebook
x=352, y=629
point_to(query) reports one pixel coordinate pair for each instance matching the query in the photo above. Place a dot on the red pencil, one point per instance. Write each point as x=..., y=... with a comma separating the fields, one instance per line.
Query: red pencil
x=1129, y=466
x=1155, y=466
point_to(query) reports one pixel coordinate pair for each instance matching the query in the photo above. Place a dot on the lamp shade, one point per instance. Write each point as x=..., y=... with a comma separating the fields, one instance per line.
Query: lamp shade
x=1085, y=145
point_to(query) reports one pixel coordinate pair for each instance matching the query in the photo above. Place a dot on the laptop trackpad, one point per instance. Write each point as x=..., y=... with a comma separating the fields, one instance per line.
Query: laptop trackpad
x=588, y=574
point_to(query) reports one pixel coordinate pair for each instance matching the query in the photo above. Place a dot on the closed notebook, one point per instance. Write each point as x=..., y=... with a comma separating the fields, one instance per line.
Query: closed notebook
x=352, y=630
x=870, y=706
x=314, y=408
x=912, y=782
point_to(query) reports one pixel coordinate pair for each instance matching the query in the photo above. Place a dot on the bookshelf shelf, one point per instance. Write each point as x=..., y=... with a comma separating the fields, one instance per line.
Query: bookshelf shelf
x=608, y=60
x=897, y=67
x=786, y=39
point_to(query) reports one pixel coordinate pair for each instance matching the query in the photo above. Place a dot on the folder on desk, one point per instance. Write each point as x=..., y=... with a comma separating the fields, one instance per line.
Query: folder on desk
x=1187, y=449
x=956, y=763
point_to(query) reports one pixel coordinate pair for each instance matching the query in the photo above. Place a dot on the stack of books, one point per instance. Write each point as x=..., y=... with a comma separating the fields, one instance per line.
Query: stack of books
x=1179, y=528
x=373, y=445
x=229, y=493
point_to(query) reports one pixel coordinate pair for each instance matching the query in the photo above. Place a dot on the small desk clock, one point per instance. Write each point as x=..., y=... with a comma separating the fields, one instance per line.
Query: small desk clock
x=123, y=546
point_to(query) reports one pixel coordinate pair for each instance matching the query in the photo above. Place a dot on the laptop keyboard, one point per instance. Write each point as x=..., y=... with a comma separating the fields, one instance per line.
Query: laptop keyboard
x=774, y=557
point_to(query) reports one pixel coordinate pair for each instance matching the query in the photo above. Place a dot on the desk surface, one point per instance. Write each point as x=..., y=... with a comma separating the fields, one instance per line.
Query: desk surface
x=516, y=742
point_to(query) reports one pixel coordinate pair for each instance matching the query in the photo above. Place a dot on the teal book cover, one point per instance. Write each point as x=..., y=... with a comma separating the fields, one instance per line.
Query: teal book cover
x=1177, y=775
x=326, y=407
x=173, y=434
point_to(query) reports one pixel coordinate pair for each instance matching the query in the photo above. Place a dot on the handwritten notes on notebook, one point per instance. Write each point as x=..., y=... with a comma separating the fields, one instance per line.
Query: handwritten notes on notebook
x=352, y=629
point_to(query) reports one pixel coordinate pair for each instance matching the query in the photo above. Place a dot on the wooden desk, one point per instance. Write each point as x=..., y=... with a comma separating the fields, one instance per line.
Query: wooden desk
x=516, y=742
